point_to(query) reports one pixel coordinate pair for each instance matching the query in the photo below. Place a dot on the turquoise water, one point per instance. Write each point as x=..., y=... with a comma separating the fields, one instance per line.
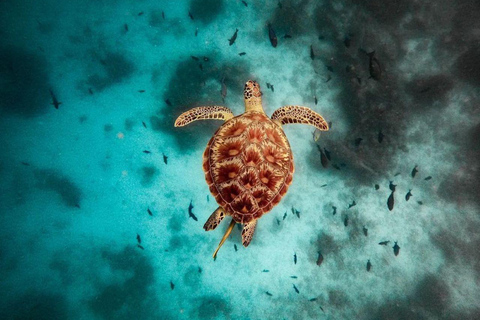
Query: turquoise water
x=95, y=195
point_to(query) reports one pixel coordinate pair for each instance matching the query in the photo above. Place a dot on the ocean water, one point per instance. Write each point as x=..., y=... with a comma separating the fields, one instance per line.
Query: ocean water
x=95, y=194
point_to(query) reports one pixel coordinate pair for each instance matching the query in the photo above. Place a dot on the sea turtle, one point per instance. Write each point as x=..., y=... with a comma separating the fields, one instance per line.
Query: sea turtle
x=248, y=162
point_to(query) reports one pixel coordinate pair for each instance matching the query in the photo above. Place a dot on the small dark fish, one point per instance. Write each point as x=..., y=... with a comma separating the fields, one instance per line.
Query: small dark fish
x=233, y=38
x=141, y=247
x=420, y=202
x=319, y=259
x=206, y=59
x=196, y=32
x=359, y=80
x=312, y=53
x=141, y=91
x=271, y=87
x=296, y=289
x=208, y=198
x=384, y=243
x=345, y=221
x=323, y=158
x=190, y=15
x=353, y=204
x=396, y=249
x=397, y=174
x=374, y=67
x=77, y=205
x=268, y=293
x=146, y=151
x=90, y=90
x=223, y=91
x=297, y=213
x=144, y=125
x=327, y=153
x=358, y=141
x=315, y=99
x=323, y=185
x=392, y=186
x=165, y=159
x=365, y=231
x=428, y=178
x=272, y=36
x=369, y=265
x=265, y=270
x=329, y=77
x=377, y=187
x=293, y=277
x=194, y=58
x=139, y=240
x=313, y=299
x=278, y=221
x=246, y=4
x=172, y=286
x=408, y=195
x=242, y=53
x=168, y=102
x=414, y=171
x=380, y=136
x=334, y=210
x=149, y=212
x=200, y=66
x=140, y=13
x=295, y=258
x=163, y=15
x=346, y=42
x=390, y=202
x=268, y=85
x=25, y=163
x=336, y=166
x=199, y=270
x=235, y=247
x=125, y=26
x=322, y=309
x=55, y=102
x=287, y=36
x=190, y=212
x=293, y=210
x=330, y=125
x=285, y=215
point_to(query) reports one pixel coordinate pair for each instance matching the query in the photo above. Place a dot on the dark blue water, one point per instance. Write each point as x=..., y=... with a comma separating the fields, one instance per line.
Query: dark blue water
x=95, y=194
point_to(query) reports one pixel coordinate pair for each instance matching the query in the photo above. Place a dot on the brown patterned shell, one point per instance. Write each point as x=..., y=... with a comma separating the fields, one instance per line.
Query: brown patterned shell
x=248, y=166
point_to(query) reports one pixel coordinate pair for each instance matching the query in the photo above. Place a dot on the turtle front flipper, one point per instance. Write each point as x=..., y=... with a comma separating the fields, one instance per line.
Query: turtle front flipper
x=201, y=113
x=215, y=218
x=297, y=114
x=247, y=232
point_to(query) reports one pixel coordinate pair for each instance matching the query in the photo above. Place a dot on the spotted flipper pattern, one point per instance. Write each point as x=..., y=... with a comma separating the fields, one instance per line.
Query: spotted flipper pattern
x=201, y=113
x=297, y=114
x=247, y=232
x=215, y=218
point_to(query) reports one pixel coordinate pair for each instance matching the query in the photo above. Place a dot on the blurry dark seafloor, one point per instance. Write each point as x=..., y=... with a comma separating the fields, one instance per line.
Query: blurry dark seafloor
x=94, y=195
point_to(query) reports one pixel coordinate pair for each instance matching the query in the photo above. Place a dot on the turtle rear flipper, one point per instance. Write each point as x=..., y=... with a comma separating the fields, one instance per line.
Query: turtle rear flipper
x=202, y=113
x=297, y=114
x=247, y=232
x=215, y=218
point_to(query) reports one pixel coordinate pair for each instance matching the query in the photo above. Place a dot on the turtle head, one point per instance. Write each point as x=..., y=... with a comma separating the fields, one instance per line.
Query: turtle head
x=252, y=96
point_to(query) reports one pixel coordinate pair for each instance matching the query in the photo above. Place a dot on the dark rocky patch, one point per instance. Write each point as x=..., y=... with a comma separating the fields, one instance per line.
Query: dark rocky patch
x=37, y=305
x=467, y=65
x=24, y=83
x=114, y=68
x=148, y=174
x=211, y=307
x=425, y=91
x=389, y=13
x=49, y=179
x=132, y=297
x=206, y=11
x=289, y=19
